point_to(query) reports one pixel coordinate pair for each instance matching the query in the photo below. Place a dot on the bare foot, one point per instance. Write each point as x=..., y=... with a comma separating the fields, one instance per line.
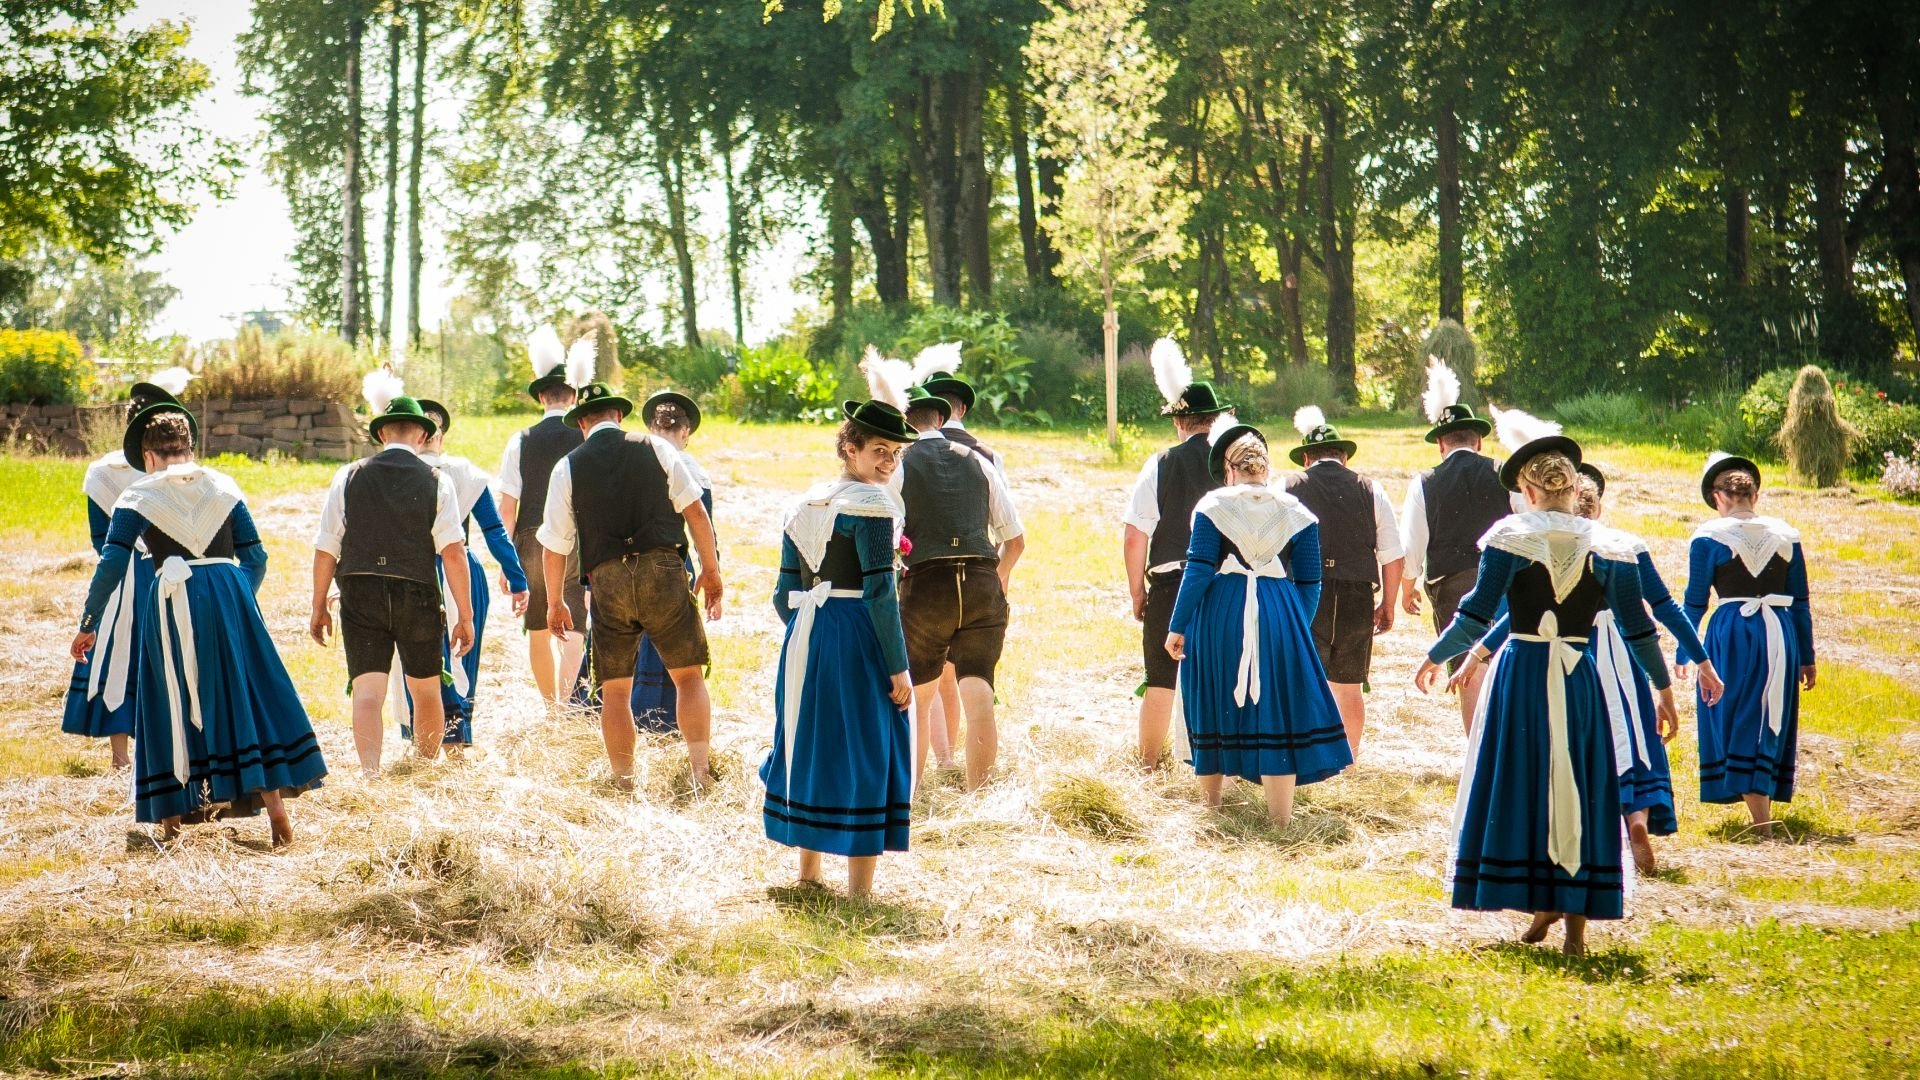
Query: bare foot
x=1642, y=847
x=622, y=784
x=170, y=830
x=1280, y=822
x=1542, y=922
x=1763, y=829
x=282, y=829
x=1576, y=943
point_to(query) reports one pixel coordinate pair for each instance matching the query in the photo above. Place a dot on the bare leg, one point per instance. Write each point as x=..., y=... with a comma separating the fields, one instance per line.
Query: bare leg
x=937, y=735
x=952, y=709
x=369, y=697
x=1279, y=793
x=923, y=724
x=1470, y=696
x=1542, y=922
x=278, y=820
x=170, y=828
x=616, y=728
x=695, y=715
x=568, y=673
x=1210, y=790
x=121, y=758
x=983, y=739
x=860, y=875
x=1642, y=843
x=1353, y=712
x=540, y=659
x=809, y=865
x=1761, y=808
x=429, y=716
x=1156, y=715
x=1576, y=943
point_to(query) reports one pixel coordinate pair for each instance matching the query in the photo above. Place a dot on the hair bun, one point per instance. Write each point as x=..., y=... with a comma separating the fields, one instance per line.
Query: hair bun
x=1550, y=472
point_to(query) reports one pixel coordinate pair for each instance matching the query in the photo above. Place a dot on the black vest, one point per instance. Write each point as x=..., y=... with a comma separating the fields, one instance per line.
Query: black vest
x=966, y=438
x=390, y=504
x=1730, y=578
x=1531, y=595
x=1182, y=480
x=947, y=496
x=1464, y=498
x=840, y=564
x=541, y=448
x=620, y=502
x=163, y=547
x=1349, y=536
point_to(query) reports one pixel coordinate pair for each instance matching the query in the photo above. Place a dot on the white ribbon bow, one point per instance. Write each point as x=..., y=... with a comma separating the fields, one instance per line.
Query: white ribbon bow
x=1563, y=791
x=451, y=606
x=1247, y=686
x=113, y=652
x=1617, y=685
x=1777, y=673
x=174, y=605
x=805, y=603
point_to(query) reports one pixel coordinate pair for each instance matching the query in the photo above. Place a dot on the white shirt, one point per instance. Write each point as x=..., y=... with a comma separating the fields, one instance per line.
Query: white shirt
x=1413, y=521
x=559, y=530
x=1003, y=519
x=1143, y=510
x=333, y=513
x=507, y=481
x=1386, y=544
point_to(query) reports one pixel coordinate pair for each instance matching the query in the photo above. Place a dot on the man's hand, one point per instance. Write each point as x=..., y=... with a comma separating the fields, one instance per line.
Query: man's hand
x=1005, y=574
x=901, y=690
x=559, y=620
x=1177, y=646
x=82, y=645
x=1410, y=598
x=1807, y=676
x=1139, y=605
x=1383, y=616
x=460, y=638
x=1710, y=685
x=519, y=602
x=321, y=624
x=1426, y=676
x=709, y=587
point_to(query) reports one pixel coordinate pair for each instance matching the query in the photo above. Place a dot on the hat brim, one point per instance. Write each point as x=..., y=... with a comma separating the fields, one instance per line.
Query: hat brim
x=1510, y=469
x=671, y=397
x=544, y=383
x=1345, y=446
x=611, y=401
x=1723, y=465
x=1592, y=472
x=945, y=385
x=428, y=405
x=934, y=402
x=883, y=420
x=374, y=425
x=137, y=429
x=1217, y=455
x=1475, y=424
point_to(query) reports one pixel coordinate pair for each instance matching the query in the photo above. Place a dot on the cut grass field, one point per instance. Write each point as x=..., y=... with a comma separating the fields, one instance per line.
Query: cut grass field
x=512, y=916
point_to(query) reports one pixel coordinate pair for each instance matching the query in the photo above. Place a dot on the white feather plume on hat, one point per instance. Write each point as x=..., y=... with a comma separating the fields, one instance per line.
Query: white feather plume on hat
x=887, y=379
x=1171, y=372
x=582, y=359
x=380, y=387
x=1516, y=429
x=545, y=351
x=1307, y=418
x=941, y=359
x=173, y=380
x=1221, y=425
x=1443, y=389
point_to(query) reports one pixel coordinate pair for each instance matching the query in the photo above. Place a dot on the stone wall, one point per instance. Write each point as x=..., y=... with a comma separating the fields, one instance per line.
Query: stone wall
x=306, y=430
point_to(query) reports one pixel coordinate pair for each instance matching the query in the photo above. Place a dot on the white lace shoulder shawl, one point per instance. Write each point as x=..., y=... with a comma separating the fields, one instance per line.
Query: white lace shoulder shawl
x=1754, y=541
x=469, y=480
x=810, y=520
x=189, y=502
x=1560, y=542
x=106, y=478
x=1258, y=520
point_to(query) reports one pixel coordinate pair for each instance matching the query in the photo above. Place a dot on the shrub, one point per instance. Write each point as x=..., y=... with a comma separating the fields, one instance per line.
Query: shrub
x=1138, y=397
x=1614, y=413
x=1814, y=436
x=695, y=369
x=606, y=366
x=779, y=382
x=989, y=356
x=1059, y=362
x=1393, y=370
x=43, y=367
x=289, y=364
x=1293, y=385
x=1901, y=475
x=1713, y=422
x=1451, y=342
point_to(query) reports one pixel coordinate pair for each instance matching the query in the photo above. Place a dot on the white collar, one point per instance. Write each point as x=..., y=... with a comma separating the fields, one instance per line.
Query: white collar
x=561, y=411
x=1755, y=540
x=1322, y=461
x=408, y=447
x=933, y=433
x=186, y=500
x=810, y=521
x=954, y=424
x=1560, y=542
x=602, y=426
x=1259, y=520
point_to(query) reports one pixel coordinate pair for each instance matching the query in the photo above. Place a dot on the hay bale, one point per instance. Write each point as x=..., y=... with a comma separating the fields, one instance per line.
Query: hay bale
x=1817, y=442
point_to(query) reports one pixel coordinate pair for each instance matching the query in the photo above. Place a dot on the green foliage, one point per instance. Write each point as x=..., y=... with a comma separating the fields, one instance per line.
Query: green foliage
x=1714, y=422
x=1854, y=338
x=1059, y=361
x=1879, y=422
x=1293, y=385
x=291, y=364
x=1613, y=412
x=43, y=367
x=1451, y=342
x=779, y=382
x=990, y=358
x=1814, y=436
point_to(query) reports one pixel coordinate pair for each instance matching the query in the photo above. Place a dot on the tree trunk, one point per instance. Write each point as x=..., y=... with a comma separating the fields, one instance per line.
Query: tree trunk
x=903, y=213
x=937, y=165
x=1830, y=217
x=1739, y=222
x=1110, y=342
x=1897, y=135
x=1048, y=172
x=1039, y=273
x=1336, y=250
x=888, y=243
x=1202, y=337
x=351, y=215
x=735, y=247
x=1453, y=303
x=973, y=216
x=840, y=243
x=416, y=254
x=673, y=178
x=1290, y=243
x=396, y=31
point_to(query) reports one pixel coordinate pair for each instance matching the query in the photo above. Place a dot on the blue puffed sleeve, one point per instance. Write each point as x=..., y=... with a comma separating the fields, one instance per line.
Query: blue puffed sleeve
x=1622, y=583
x=1654, y=591
x=499, y=543
x=116, y=552
x=1478, y=608
x=873, y=540
x=1305, y=568
x=1203, y=563
x=789, y=577
x=247, y=546
x=97, y=522
x=1801, y=611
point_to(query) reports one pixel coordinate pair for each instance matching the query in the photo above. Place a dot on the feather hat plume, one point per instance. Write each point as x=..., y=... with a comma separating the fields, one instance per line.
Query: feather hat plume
x=173, y=380
x=1171, y=372
x=941, y=359
x=1222, y=424
x=1443, y=389
x=545, y=351
x=887, y=379
x=380, y=387
x=1516, y=429
x=583, y=359
x=1307, y=418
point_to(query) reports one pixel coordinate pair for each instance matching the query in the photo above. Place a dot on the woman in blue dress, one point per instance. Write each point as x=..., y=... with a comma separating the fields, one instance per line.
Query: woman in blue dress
x=219, y=728
x=1256, y=697
x=1537, y=821
x=674, y=417
x=839, y=778
x=457, y=691
x=99, y=703
x=1761, y=636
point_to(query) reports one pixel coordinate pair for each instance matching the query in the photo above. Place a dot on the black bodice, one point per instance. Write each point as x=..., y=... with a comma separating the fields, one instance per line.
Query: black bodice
x=1531, y=596
x=840, y=565
x=1731, y=578
x=163, y=547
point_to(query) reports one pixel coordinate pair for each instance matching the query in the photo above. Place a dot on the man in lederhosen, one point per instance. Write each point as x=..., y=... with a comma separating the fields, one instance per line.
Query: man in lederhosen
x=625, y=501
x=520, y=488
x=964, y=537
x=1360, y=555
x=1156, y=527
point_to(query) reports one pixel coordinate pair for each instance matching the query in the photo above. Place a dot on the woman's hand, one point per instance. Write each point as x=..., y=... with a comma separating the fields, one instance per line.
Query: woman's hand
x=82, y=645
x=1710, y=685
x=901, y=691
x=1666, y=716
x=1424, y=678
x=1177, y=646
x=520, y=603
x=1467, y=667
x=1806, y=676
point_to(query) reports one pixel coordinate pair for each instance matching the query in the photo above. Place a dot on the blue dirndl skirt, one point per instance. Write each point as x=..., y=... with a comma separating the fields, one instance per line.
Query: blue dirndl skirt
x=852, y=777
x=254, y=735
x=1502, y=860
x=457, y=706
x=1294, y=729
x=1648, y=786
x=81, y=716
x=1739, y=752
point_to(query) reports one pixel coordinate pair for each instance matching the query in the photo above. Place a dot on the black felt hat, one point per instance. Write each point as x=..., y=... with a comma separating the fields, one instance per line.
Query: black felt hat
x=1510, y=469
x=1592, y=472
x=401, y=408
x=920, y=397
x=1325, y=436
x=428, y=405
x=671, y=397
x=947, y=384
x=595, y=397
x=881, y=419
x=1459, y=417
x=555, y=376
x=1198, y=399
x=1725, y=463
x=1217, y=456
x=142, y=395
x=137, y=428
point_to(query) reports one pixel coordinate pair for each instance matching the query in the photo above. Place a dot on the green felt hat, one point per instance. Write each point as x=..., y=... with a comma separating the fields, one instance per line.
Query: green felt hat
x=920, y=397
x=593, y=398
x=1217, y=456
x=671, y=397
x=1198, y=399
x=401, y=408
x=881, y=419
x=1718, y=463
x=947, y=384
x=434, y=408
x=1459, y=417
x=1510, y=469
x=137, y=428
x=1324, y=436
x=555, y=376
x=142, y=395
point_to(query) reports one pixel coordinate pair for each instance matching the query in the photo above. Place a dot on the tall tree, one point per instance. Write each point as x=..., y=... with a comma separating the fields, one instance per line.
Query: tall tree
x=353, y=213
x=416, y=154
x=396, y=33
